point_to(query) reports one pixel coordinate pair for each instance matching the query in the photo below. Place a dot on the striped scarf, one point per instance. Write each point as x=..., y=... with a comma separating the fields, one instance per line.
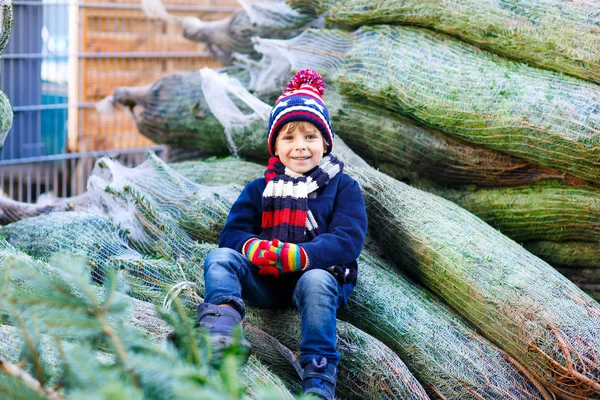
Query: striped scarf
x=285, y=213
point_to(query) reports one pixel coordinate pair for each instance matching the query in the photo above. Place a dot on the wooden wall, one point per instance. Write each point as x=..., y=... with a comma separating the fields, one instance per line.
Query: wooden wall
x=135, y=37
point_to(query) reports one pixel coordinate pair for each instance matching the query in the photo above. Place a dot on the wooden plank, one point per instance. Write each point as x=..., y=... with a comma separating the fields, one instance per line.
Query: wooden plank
x=176, y=42
x=131, y=42
x=122, y=14
x=74, y=76
x=190, y=64
x=136, y=15
x=118, y=65
x=107, y=42
x=136, y=22
x=193, y=3
x=115, y=131
x=97, y=87
x=208, y=15
x=120, y=120
x=130, y=140
x=74, y=137
x=110, y=1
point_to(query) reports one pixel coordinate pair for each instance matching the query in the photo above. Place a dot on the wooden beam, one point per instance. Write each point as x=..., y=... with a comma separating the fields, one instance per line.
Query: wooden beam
x=73, y=88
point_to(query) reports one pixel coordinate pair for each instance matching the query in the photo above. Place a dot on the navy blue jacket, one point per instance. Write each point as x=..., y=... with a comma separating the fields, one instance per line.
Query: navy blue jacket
x=338, y=208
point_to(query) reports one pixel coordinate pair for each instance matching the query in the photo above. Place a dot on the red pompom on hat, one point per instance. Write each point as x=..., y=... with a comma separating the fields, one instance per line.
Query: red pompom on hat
x=301, y=101
x=306, y=77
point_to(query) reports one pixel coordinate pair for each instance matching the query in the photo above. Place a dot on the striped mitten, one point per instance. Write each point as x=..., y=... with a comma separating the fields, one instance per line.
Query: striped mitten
x=257, y=251
x=290, y=258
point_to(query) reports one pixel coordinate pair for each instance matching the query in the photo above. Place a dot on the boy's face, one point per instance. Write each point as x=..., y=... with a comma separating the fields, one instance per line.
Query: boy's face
x=300, y=148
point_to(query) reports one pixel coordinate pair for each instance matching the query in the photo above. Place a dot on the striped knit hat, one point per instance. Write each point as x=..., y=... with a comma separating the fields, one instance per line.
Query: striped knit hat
x=301, y=101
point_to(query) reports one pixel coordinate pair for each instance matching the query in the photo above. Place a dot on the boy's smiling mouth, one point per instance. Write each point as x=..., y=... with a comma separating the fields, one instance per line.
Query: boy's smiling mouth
x=299, y=158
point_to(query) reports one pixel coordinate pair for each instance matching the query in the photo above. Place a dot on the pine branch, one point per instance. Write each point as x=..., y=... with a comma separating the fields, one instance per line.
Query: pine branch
x=13, y=370
x=27, y=336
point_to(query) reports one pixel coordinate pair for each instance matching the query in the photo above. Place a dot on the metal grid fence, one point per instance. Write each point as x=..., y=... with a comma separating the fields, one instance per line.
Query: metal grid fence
x=63, y=57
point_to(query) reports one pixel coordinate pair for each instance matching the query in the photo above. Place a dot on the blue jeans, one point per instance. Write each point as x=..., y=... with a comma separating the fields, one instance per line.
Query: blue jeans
x=230, y=277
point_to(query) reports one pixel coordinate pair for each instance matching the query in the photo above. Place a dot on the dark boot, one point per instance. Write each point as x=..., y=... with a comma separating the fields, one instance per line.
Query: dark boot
x=319, y=378
x=221, y=322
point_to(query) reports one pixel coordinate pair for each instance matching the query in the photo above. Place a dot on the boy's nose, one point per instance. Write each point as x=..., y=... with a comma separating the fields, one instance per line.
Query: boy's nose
x=300, y=144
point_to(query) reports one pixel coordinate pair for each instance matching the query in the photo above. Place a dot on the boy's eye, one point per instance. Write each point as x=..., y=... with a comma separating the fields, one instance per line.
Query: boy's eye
x=311, y=136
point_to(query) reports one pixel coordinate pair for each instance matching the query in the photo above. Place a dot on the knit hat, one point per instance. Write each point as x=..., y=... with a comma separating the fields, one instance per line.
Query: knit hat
x=301, y=101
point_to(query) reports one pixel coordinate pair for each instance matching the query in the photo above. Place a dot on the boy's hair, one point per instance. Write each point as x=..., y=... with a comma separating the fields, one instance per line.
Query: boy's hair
x=301, y=101
x=303, y=127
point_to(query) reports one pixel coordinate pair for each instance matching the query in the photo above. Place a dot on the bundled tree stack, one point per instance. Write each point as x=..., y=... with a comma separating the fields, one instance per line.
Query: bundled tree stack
x=503, y=121
x=160, y=198
x=444, y=83
x=399, y=210
x=513, y=143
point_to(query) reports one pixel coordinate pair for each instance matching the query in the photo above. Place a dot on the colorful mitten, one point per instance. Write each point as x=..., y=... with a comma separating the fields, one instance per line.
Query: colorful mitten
x=290, y=258
x=257, y=252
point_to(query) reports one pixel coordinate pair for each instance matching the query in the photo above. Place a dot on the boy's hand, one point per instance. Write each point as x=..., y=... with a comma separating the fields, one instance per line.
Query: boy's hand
x=257, y=251
x=290, y=258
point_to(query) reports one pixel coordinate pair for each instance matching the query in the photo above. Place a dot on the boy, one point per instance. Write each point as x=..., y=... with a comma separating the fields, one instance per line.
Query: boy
x=292, y=237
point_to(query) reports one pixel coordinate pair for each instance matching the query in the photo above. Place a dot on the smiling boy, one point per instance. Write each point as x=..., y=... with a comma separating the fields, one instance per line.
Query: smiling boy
x=292, y=238
x=300, y=146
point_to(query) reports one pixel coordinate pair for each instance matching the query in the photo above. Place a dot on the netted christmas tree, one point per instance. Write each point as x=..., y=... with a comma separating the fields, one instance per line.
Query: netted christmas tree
x=525, y=30
x=233, y=34
x=157, y=227
x=65, y=336
x=418, y=154
x=537, y=115
x=459, y=122
x=488, y=278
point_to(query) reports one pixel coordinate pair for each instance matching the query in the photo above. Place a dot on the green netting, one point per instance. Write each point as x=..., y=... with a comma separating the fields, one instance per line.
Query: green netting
x=214, y=172
x=381, y=135
x=387, y=376
x=438, y=347
x=578, y=261
x=566, y=254
x=162, y=234
x=538, y=115
x=406, y=318
x=387, y=137
x=274, y=354
x=16, y=268
x=199, y=210
x=6, y=22
x=352, y=383
x=6, y=117
x=103, y=245
x=275, y=14
x=436, y=365
x=554, y=34
x=195, y=128
x=517, y=300
x=546, y=210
